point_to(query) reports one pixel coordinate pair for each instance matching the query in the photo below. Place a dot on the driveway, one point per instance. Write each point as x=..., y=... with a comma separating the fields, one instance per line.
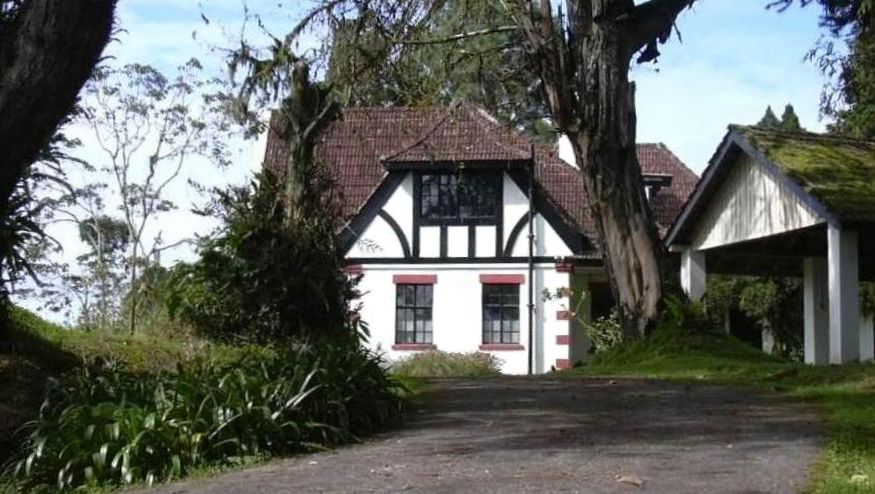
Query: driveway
x=561, y=435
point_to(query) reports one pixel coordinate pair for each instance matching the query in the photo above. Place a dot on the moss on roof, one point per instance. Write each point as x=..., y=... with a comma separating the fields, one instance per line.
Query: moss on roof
x=839, y=172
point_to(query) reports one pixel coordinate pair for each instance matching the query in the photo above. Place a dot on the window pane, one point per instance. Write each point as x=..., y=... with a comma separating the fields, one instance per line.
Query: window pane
x=423, y=295
x=399, y=295
x=511, y=295
x=423, y=325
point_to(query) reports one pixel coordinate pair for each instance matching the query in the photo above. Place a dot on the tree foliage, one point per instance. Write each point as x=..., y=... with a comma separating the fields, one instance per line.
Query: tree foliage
x=775, y=304
x=848, y=98
x=262, y=279
x=149, y=127
x=489, y=69
x=789, y=121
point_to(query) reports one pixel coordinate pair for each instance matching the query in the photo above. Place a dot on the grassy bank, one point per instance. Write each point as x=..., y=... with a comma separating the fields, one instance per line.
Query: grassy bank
x=33, y=350
x=155, y=408
x=846, y=394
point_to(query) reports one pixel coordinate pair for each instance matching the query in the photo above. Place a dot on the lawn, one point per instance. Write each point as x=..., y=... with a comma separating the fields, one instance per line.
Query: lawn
x=845, y=394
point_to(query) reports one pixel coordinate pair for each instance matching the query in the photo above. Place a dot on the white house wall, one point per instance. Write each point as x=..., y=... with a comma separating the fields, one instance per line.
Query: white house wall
x=377, y=241
x=400, y=206
x=380, y=240
x=751, y=204
x=516, y=206
x=457, y=311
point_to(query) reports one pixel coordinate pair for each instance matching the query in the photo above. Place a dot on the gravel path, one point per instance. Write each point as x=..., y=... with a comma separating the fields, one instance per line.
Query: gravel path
x=561, y=435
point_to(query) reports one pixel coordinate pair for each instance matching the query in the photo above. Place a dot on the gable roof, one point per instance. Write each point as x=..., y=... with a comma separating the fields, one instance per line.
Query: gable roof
x=838, y=172
x=365, y=141
x=832, y=174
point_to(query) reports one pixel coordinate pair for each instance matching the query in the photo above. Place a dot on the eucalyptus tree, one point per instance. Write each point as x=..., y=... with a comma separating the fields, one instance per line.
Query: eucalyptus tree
x=148, y=128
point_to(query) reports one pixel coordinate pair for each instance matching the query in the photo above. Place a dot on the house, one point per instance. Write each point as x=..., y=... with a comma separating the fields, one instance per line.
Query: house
x=795, y=204
x=439, y=202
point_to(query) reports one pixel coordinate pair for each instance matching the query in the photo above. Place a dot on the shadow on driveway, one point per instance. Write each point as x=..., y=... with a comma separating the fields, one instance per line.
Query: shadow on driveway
x=561, y=435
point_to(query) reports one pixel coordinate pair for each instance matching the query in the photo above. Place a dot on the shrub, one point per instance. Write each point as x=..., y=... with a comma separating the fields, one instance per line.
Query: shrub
x=109, y=426
x=444, y=364
x=604, y=332
x=263, y=279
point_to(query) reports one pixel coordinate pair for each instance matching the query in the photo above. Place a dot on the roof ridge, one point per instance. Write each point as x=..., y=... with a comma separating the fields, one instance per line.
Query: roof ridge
x=801, y=134
x=482, y=118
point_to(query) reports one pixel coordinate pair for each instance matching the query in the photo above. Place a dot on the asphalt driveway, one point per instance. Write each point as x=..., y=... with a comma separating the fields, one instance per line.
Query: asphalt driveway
x=561, y=435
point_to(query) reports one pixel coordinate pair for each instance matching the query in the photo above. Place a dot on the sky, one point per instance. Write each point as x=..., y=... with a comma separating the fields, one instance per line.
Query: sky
x=735, y=58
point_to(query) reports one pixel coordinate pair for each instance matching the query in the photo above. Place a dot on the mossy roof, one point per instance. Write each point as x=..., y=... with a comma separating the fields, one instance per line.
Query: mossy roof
x=838, y=172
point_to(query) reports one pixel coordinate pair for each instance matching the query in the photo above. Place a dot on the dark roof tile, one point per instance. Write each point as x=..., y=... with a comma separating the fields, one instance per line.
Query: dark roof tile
x=355, y=147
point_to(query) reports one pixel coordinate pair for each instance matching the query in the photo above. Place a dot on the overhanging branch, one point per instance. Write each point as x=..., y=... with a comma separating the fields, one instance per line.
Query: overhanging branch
x=459, y=36
x=650, y=25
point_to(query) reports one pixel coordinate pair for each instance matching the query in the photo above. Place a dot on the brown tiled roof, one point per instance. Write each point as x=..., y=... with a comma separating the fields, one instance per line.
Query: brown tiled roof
x=355, y=147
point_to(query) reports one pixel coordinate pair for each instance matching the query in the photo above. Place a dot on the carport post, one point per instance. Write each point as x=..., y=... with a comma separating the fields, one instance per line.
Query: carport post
x=815, y=310
x=693, y=273
x=844, y=295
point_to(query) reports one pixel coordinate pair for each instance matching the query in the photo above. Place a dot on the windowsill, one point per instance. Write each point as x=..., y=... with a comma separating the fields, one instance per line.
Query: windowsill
x=501, y=347
x=413, y=347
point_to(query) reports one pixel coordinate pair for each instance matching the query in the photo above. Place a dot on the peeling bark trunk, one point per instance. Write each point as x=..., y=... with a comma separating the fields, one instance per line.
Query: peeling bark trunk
x=46, y=54
x=584, y=66
x=605, y=147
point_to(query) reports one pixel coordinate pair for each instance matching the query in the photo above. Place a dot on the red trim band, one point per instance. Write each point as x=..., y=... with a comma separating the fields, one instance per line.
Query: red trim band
x=563, y=339
x=564, y=267
x=563, y=363
x=501, y=347
x=502, y=279
x=415, y=279
x=354, y=269
x=414, y=347
x=563, y=315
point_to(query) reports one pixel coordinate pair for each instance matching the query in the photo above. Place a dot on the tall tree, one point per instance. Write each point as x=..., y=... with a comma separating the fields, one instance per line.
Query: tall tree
x=584, y=63
x=789, y=119
x=48, y=49
x=582, y=58
x=491, y=71
x=769, y=120
x=849, y=96
x=148, y=127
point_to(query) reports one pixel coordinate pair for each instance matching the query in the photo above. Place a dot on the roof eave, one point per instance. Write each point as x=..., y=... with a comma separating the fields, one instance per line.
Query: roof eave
x=717, y=169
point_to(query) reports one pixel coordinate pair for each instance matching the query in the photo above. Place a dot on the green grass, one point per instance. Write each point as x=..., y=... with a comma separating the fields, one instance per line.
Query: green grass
x=845, y=394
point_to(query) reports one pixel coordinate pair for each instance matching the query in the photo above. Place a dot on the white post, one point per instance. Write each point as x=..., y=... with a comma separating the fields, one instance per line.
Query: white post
x=867, y=339
x=815, y=310
x=693, y=273
x=844, y=295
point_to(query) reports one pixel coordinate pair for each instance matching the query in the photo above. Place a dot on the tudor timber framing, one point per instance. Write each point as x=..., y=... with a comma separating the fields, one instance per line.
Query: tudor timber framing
x=373, y=208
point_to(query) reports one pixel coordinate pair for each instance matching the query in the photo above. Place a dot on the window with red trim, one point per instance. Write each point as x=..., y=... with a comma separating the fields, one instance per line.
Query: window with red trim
x=501, y=314
x=413, y=307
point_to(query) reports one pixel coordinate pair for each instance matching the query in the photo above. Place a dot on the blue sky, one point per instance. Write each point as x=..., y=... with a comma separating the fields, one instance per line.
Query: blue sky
x=735, y=59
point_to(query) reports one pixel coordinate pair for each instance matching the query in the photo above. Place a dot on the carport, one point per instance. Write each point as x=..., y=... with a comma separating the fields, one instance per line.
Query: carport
x=775, y=203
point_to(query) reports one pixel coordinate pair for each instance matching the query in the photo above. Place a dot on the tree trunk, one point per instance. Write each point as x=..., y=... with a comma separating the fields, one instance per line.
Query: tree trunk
x=605, y=149
x=583, y=63
x=47, y=52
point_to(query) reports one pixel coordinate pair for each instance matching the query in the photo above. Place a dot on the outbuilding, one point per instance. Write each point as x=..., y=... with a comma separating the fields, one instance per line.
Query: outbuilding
x=796, y=204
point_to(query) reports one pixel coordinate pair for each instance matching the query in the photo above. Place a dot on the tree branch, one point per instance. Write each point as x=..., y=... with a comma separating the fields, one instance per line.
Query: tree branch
x=459, y=36
x=650, y=24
